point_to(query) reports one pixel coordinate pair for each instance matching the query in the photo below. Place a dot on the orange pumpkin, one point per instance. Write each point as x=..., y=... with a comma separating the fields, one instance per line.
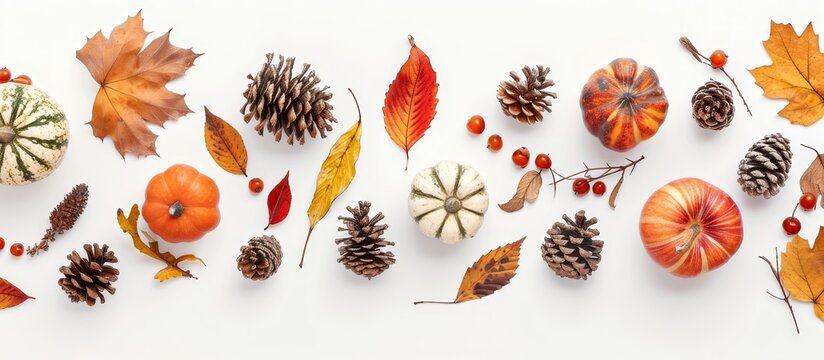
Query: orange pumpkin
x=181, y=204
x=623, y=104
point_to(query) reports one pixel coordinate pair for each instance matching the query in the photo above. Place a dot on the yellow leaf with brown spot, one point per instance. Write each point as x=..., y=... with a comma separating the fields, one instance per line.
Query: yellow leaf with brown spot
x=802, y=271
x=225, y=144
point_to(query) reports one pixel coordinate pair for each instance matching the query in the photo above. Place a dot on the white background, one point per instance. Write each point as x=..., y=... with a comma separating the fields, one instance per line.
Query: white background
x=629, y=307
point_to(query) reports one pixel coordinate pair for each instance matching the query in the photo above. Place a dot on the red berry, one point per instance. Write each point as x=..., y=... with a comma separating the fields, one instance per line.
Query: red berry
x=599, y=188
x=521, y=157
x=22, y=79
x=2, y=243
x=580, y=186
x=542, y=161
x=476, y=124
x=807, y=201
x=718, y=59
x=791, y=225
x=16, y=249
x=5, y=75
x=256, y=185
x=495, y=142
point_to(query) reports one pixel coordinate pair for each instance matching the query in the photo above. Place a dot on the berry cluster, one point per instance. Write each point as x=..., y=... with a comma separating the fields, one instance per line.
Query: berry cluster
x=581, y=187
x=5, y=76
x=791, y=224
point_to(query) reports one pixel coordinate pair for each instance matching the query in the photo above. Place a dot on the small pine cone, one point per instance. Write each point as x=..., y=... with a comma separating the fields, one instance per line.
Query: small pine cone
x=525, y=100
x=766, y=166
x=362, y=252
x=260, y=258
x=570, y=249
x=85, y=279
x=712, y=106
x=288, y=104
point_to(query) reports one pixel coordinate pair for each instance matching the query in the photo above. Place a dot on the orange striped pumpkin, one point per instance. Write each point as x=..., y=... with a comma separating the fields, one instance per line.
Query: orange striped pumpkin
x=690, y=227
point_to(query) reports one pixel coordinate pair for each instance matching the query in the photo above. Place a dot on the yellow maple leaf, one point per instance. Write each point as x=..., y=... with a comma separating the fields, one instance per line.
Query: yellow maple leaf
x=796, y=74
x=802, y=271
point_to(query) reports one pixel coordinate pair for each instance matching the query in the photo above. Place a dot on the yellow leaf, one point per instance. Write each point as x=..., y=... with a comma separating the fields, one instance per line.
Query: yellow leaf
x=802, y=271
x=335, y=175
x=489, y=274
x=172, y=270
x=796, y=74
x=225, y=144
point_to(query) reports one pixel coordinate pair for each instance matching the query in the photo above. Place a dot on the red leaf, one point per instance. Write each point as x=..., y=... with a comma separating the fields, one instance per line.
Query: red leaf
x=279, y=201
x=10, y=295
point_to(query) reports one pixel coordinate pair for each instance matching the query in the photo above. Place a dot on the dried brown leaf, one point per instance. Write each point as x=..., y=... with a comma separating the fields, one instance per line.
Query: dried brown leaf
x=614, y=194
x=528, y=189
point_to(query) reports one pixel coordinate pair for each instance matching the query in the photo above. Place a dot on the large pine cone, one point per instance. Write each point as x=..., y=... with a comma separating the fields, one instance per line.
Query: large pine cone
x=260, y=258
x=362, y=252
x=712, y=106
x=287, y=104
x=570, y=249
x=766, y=166
x=85, y=279
x=525, y=100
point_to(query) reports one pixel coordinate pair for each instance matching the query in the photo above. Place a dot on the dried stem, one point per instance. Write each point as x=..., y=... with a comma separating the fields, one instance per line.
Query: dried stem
x=434, y=302
x=605, y=171
x=818, y=154
x=687, y=44
x=785, y=297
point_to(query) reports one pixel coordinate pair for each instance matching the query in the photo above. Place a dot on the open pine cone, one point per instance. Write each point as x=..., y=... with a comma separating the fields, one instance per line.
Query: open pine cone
x=570, y=249
x=289, y=104
x=766, y=166
x=362, y=252
x=525, y=100
x=85, y=279
x=260, y=258
x=712, y=105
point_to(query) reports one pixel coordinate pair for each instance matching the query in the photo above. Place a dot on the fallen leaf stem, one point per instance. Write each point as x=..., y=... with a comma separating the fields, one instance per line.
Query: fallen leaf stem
x=818, y=154
x=687, y=44
x=305, y=245
x=434, y=302
x=785, y=297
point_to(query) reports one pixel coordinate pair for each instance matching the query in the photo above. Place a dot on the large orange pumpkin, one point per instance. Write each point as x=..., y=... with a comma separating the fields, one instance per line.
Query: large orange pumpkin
x=623, y=104
x=181, y=204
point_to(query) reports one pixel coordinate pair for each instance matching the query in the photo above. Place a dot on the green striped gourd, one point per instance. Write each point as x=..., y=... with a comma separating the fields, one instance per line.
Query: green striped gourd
x=448, y=201
x=34, y=134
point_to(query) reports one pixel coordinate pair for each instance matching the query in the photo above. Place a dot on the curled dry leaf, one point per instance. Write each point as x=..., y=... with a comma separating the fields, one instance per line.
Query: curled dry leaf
x=812, y=181
x=335, y=175
x=133, y=84
x=528, y=189
x=279, y=201
x=614, y=194
x=172, y=269
x=225, y=144
x=802, y=271
x=410, y=103
x=796, y=74
x=10, y=295
x=489, y=274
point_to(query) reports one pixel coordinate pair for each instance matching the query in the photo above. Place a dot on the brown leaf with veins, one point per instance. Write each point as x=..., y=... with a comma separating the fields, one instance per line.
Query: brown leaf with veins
x=489, y=274
x=528, y=189
x=812, y=181
x=133, y=84
x=802, y=271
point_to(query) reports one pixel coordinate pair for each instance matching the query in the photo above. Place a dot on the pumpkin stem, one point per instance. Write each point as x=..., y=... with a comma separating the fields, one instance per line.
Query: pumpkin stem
x=452, y=205
x=7, y=135
x=696, y=229
x=176, y=209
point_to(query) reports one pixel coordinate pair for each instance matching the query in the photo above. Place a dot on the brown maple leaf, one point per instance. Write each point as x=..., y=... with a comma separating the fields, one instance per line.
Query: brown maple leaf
x=133, y=84
x=796, y=74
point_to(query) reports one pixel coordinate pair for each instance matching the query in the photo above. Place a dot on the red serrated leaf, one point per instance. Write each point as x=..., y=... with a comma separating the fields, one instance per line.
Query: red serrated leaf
x=10, y=295
x=279, y=201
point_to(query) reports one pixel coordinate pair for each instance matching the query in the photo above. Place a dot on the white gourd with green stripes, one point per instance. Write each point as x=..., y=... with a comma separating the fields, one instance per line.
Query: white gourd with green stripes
x=34, y=134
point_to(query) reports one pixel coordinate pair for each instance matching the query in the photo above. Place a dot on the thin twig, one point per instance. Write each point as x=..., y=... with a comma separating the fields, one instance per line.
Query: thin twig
x=687, y=44
x=786, y=298
x=605, y=171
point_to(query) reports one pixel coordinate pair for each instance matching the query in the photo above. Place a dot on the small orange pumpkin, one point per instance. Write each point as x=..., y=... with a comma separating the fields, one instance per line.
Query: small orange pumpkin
x=181, y=204
x=623, y=104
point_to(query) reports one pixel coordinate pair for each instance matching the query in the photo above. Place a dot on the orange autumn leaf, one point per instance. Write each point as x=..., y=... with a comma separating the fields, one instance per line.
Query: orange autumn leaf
x=225, y=144
x=802, y=271
x=133, y=84
x=10, y=295
x=796, y=74
x=410, y=103
x=489, y=274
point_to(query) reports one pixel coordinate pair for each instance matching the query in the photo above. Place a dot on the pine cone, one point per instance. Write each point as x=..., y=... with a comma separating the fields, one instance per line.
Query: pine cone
x=63, y=217
x=260, y=258
x=712, y=106
x=570, y=250
x=361, y=251
x=287, y=104
x=85, y=279
x=526, y=100
x=766, y=166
